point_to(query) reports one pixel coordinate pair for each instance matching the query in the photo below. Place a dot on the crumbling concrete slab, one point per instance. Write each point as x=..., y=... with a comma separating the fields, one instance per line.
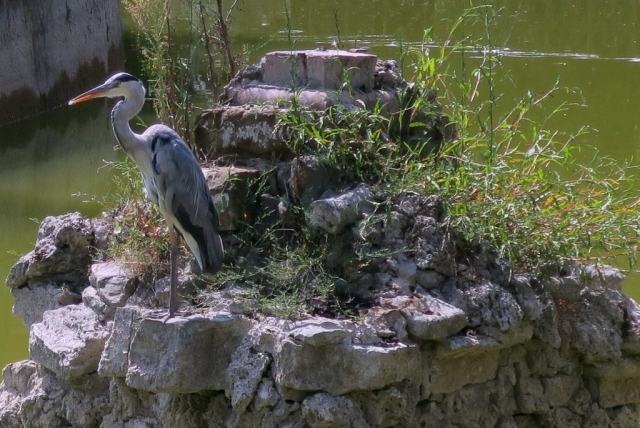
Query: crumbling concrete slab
x=319, y=69
x=68, y=341
x=185, y=354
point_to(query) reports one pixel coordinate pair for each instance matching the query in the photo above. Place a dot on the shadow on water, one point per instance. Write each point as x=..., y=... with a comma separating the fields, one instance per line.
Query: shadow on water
x=49, y=164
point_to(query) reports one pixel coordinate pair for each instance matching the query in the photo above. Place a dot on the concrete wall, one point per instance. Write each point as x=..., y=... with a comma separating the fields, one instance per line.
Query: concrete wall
x=51, y=50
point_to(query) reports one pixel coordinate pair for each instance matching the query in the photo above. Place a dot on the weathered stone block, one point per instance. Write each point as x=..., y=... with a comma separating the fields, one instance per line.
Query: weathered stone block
x=184, y=355
x=285, y=68
x=329, y=69
x=113, y=284
x=34, y=396
x=309, y=178
x=457, y=346
x=530, y=395
x=68, y=341
x=614, y=383
x=243, y=131
x=560, y=388
x=445, y=375
x=61, y=252
x=596, y=323
x=320, y=332
x=428, y=318
x=338, y=369
x=327, y=411
x=31, y=301
x=244, y=374
x=114, y=360
x=490, y=305
x=335, y=214
x=390, y=407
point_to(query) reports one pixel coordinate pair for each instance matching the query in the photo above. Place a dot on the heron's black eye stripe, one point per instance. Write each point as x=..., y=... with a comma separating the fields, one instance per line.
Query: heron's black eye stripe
x=127, y=78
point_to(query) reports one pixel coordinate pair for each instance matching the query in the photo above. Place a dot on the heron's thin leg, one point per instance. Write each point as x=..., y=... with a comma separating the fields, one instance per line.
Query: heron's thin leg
x=173, y=292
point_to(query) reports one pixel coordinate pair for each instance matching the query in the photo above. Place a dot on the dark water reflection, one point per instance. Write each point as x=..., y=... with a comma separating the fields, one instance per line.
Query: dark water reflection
x=49, y=164
x=592, y=46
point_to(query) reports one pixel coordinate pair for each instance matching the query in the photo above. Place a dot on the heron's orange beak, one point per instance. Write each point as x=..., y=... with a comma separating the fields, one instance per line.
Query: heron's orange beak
x=97, y=92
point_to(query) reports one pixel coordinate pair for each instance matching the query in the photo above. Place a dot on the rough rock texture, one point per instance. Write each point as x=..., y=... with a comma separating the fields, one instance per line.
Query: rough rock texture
x=61, y=252
x=478, y=349
x=335, y=214
x=68, y=341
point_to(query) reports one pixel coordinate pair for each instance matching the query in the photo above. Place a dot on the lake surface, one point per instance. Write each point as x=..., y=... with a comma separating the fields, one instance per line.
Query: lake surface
x=592, y=46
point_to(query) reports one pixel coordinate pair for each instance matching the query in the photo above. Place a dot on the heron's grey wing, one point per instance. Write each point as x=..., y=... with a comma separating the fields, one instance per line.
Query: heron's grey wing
x=184, y=198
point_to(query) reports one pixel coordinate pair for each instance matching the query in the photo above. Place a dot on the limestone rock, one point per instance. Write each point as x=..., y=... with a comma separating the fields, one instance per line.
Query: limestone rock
x=526, y=297
x=327, y=411
x=565, y=288
x=624, y=416
x=428, y=318
x=491, y=308
x=472, y=407
x=61, y=252
x=326, y=69
x=32, y=300
x=631, y=334
x=386, y=323
x=614, y=383
x=596, y=276
x=113, y=285
x=546, y=326
x=319, y=79
x=35, y=397
x=185, y=354
x=560, y=388
x=530, y=395
x=247, y=367
x=432, y=249
x=134, y=408
x=335, y=214
x=114, y=360
x=390, y=407
x=319, y=332
x=266, y=395
x=596, y=324
x=68, y=341
x=446, y=375
x=338, y=369
x=92, y=300
x=457, y=346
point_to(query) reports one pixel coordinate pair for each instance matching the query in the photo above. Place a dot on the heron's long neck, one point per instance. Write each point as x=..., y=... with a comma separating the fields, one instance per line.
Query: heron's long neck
x=121, y=114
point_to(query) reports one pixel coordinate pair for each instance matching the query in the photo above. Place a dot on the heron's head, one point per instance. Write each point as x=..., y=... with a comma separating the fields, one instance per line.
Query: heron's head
x=118, y=85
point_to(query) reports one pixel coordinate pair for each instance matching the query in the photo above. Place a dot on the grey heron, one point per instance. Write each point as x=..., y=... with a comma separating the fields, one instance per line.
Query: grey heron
x=171, y=176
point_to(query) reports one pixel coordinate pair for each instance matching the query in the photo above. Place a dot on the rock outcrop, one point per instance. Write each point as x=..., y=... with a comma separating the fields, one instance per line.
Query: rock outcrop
x=480, y=348
x=446, y=335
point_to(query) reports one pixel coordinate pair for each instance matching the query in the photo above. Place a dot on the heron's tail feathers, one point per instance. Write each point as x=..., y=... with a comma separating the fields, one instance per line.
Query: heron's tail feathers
x=212, y=257
x=204, y=241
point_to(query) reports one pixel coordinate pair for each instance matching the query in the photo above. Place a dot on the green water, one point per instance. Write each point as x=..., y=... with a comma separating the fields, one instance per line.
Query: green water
x=592, y=46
